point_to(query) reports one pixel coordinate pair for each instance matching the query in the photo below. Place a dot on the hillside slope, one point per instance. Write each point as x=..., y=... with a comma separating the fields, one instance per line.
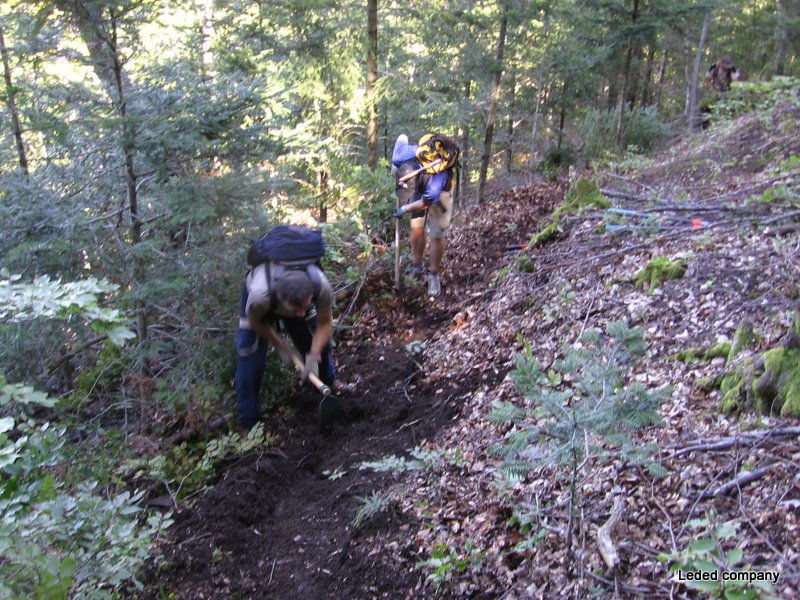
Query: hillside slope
x=410, y=498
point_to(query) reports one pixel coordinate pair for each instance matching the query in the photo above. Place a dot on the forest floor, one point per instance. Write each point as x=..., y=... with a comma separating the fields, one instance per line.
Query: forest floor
x=308, y=517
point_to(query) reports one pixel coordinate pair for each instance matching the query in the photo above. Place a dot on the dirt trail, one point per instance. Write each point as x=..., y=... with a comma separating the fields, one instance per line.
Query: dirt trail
x=279, y=522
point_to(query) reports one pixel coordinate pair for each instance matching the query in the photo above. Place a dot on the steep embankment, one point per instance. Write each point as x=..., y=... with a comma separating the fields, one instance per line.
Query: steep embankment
x=712, y=204
x=304, y=518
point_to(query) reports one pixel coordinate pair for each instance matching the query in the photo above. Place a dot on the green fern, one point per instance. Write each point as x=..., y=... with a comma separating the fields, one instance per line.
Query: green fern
x=370, y=506
x=586, y=405
x=504, y=413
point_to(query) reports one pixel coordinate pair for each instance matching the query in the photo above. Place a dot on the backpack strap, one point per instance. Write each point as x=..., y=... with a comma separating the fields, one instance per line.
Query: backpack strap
x=276, y=270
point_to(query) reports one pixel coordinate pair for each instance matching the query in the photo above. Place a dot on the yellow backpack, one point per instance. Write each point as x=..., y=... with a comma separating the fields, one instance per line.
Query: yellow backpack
x=438, y=151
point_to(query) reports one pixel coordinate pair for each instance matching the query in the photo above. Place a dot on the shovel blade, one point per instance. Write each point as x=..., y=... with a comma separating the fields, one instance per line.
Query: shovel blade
x=329, y=411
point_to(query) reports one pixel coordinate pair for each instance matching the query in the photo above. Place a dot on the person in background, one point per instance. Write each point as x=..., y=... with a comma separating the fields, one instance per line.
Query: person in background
x=720, y=74
x=428, y=199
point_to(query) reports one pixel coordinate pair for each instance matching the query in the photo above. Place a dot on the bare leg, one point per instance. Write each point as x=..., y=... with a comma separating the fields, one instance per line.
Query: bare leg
x=417, y=244
x=437, y=251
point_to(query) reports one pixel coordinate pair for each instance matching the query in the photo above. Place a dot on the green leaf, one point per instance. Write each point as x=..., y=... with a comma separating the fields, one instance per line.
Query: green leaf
x=6, y=424
x=703, y=546
x=703, y=586
x=734, y=557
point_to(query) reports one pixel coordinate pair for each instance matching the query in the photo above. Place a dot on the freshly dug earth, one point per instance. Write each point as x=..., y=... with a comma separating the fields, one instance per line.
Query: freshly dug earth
x=280, y=522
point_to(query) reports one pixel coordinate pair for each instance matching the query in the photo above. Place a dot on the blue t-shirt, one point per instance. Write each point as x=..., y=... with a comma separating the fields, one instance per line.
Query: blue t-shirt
x=404, y=152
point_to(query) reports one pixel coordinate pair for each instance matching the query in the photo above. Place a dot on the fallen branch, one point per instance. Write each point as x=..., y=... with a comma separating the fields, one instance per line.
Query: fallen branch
x=604, y=542
x=741, y=480
x=744, y=438
x=66, y=357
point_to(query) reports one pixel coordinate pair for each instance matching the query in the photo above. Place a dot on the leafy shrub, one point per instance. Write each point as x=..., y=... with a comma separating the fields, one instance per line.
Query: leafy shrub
x=746, y=96
x=557, y=158
x=643, y=131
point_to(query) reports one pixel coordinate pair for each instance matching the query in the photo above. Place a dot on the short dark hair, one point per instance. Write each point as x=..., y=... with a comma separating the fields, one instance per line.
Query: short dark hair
x=294, y=288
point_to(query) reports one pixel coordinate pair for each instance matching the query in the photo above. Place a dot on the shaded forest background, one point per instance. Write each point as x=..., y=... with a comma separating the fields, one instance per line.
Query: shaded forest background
x=144, y=144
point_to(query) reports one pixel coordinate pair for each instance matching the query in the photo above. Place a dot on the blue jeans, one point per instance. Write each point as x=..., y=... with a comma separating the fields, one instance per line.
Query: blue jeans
x=251, y=357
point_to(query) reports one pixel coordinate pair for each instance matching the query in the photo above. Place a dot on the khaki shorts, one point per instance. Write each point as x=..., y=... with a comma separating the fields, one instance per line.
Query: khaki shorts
x=437, y=218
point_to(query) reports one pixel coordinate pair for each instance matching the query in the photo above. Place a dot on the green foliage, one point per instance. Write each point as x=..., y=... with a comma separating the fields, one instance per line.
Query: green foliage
x=370, y=506
x=423, y=460
x=563, y=422
x=762, y=96
x=185, y=468
x=447, y=562
x=44, y=298
x=555, y=159
x=657, y=271
x=56, y=541
x=707, y=553
x=643, y=131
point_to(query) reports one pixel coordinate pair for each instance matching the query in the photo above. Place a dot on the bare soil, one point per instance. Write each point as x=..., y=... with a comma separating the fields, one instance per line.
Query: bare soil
x=280, y=522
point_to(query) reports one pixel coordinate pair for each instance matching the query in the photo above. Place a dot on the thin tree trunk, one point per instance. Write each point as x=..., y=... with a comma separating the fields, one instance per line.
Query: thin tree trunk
x=626, y=74
x=562, y=116
x=464, y=171
x=510, y=124
x=540, y=94
x=372, y=80
x=662, y=69
x=323, y=190
x=127, y=145
x=206, y=10
x=537, y=116
x=12, y=106
x=691, y=112
x=97, y=23
x=648, y=74
x=492, y=117
x=781, y=39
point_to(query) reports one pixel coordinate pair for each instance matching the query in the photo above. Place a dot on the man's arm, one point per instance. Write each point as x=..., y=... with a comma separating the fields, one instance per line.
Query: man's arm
x=323, y=333
x=265, y=331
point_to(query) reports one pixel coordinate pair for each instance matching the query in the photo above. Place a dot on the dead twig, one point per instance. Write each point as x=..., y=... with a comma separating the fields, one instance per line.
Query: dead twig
x=741, y=480
x=604, y=542
x=745, y=438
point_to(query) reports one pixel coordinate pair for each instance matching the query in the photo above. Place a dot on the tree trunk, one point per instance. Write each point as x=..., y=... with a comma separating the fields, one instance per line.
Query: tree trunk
x=486, y=155
x=464, y=171
x=562, y=116
x=537, y=116
x=12, y=106
x=205, y=9
x=648, y=75
x=97, y=23
x=372, y=79
x=626, y=75
x=510, y=124
x=781, y=39
x=662, y=69
x=127, y=145
x=323, y=190
x=540, y=94
x=691, y=111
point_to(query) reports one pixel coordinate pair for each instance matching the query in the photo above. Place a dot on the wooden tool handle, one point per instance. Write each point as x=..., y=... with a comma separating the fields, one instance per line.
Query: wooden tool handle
x=408, y=176
x=323, y=388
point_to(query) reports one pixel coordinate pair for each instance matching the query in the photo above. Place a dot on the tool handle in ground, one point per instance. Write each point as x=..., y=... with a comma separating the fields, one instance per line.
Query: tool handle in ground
x=408, y=176
x=323, y=387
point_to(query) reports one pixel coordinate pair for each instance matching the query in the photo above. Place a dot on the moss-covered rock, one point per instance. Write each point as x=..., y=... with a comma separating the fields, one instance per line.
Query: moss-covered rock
x=735, y=398
x=742, y=339
x=777, y=389
x=768, y=383
x=657, y=271
x=721, y=350
x=545, y=235
x=584, y=193
x=525, y=264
